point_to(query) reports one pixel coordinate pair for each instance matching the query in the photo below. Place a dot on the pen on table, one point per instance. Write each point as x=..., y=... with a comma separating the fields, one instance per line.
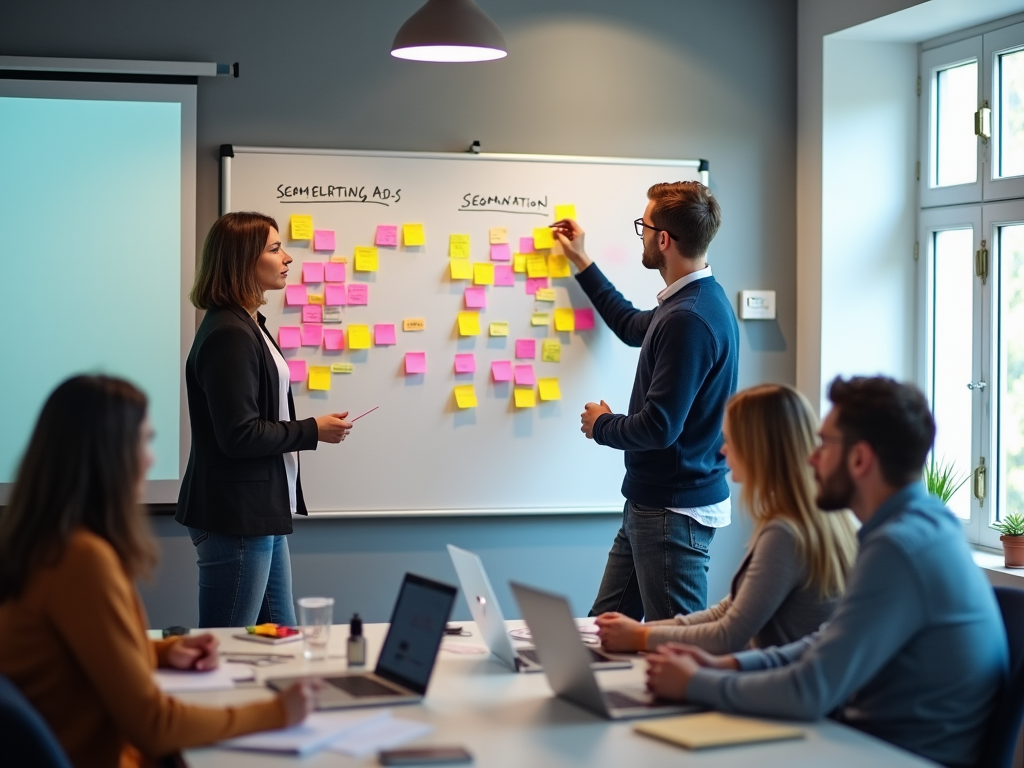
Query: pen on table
x=357, y=418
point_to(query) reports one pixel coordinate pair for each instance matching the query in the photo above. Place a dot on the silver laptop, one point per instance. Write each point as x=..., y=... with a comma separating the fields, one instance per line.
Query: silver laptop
x=483, y=605
x=407, y=658
x=566, y=664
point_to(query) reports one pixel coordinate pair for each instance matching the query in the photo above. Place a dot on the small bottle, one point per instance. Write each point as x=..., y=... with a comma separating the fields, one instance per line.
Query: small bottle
x=356, y=642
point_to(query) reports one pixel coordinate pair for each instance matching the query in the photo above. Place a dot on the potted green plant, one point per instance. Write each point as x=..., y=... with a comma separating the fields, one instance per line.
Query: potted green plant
x=1011, y=529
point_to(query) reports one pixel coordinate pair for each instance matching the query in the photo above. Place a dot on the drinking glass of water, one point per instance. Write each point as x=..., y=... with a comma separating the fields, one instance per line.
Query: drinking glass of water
x=315, y=616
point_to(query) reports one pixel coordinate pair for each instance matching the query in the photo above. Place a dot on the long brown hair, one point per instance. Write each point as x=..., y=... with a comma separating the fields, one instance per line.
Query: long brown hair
x=772, y=430
x=81, y=470
x=227, y=267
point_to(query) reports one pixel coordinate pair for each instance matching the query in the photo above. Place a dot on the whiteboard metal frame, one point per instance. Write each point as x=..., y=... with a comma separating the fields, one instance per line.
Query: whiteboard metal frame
x=111, y=66
x=364, y=514
x=227, y=152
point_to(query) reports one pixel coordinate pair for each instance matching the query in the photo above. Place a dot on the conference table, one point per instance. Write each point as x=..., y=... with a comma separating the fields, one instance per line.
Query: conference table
x=509, y=720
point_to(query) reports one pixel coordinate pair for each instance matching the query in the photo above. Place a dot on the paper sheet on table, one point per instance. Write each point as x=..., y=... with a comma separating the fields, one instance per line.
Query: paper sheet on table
x=317, y=731
x=379, y=734
x=220, y=679
x=714, y=729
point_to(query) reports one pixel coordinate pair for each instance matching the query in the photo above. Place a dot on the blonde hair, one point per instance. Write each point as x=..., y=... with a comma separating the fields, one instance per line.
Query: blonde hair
x=772, y=433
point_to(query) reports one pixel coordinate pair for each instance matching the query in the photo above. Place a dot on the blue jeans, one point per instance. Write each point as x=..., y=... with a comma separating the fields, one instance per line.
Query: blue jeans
x=243, y=580
x=657, y=567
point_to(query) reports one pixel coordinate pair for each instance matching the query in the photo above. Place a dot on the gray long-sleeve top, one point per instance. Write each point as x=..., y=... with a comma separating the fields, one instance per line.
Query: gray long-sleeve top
x=915, y=652
x=769, y=603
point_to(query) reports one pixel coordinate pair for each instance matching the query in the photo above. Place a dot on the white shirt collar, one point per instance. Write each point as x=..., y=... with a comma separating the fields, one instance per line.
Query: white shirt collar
x=682, y=282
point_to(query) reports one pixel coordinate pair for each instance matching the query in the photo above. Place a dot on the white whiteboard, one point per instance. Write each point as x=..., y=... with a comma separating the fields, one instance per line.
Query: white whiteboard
x=418, y=453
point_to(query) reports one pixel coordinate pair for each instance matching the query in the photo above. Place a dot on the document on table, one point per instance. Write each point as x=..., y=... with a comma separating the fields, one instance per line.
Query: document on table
x=185, y=680
x=313, y=734
x=713, y=729
x=377, y=735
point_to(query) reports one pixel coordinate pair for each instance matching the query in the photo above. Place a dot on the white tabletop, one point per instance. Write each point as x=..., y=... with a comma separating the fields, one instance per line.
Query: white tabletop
x=512, y=720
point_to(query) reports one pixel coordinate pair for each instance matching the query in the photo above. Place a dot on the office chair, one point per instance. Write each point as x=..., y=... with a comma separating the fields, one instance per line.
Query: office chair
x=1004, y=727
x=25, y=739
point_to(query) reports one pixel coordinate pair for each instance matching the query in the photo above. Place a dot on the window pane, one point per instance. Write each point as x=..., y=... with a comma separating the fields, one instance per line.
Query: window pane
x=1011, y=370
x=952, y=356
x=956, y=151
x=1011, y=114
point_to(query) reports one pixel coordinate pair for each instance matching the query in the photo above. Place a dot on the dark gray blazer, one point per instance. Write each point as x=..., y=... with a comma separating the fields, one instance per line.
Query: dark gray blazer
x=235, y=482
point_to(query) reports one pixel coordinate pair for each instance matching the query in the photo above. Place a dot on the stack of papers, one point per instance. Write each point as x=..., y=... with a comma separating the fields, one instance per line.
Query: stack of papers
x=356, y=733
x=186, y=680
x=713, y=729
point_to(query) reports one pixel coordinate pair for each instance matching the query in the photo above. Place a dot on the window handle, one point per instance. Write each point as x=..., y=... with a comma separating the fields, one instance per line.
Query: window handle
x=983, y=122
x=979, y=385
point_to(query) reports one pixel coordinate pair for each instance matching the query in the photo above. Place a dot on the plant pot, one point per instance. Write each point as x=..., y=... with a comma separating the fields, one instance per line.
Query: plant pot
x=1013, y=551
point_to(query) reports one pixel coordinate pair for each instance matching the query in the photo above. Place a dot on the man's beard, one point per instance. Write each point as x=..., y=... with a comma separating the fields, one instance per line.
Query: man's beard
x=835, y=491
x=653, y=258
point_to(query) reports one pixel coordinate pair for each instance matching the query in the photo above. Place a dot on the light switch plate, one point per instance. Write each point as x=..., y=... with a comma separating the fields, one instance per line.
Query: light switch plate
x=757, y=305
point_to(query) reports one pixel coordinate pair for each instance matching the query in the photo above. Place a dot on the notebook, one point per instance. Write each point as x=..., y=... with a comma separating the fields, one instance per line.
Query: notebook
x=713, y=729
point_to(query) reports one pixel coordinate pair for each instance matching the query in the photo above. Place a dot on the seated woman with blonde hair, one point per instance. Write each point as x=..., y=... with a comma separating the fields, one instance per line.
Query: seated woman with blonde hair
x=73, y=539
x=795, y=569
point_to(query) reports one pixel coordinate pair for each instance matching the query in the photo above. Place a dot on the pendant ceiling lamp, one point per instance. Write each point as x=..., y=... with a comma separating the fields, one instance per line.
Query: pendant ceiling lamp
x=449, y=30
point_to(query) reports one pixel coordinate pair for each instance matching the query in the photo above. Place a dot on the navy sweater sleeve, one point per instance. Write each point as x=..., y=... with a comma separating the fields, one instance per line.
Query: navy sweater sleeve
x=626, y=321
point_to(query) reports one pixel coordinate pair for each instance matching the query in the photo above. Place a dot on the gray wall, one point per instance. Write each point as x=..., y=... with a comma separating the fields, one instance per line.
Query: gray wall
x=592, y=77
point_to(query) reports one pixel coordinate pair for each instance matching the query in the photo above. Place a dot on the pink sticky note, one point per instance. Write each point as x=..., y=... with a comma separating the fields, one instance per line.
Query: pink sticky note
x=533, y=283
x=288, y=337
x=312, y=271
x=526, y=349
x=501, y=370
x=387, y=234
x=312, y=334
x=358, y=293
x=526, y=244
x=323, y=239
x=524, y=375
x=295, y=295
x=584, y=319
x=384, y=333
x=296, y=370
x=501, y=252
x=312, y=313
x=504, y=275
x=334, y=339
x=334, y=272
x=415, y=362
x=476, y=297
x=335, y=295
x=465, y=363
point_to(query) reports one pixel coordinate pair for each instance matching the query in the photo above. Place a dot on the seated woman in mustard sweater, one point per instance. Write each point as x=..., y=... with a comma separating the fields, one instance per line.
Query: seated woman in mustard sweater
x=72, y=540
x=795, y=568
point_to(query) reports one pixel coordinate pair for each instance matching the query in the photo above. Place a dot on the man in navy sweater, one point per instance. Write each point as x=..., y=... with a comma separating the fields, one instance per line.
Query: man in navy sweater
x=675, y=487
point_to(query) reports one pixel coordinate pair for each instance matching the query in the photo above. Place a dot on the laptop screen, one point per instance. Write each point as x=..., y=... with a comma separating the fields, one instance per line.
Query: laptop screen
x=417, y=627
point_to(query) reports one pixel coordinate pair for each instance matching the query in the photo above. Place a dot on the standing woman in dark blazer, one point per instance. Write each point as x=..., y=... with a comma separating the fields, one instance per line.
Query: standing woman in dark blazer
x=241, y=486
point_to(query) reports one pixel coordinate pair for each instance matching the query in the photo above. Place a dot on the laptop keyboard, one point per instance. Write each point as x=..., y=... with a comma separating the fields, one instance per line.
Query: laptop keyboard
x=622, y=701
x=363, y=686
x=531, y=655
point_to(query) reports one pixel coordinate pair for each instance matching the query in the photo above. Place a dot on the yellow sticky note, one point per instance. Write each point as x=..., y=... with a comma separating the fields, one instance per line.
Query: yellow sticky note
x=498, y=235
x=567, y=211
x=536, y=265
x=461, y=269
x=483, y=273
x=469, y=323
x=544, y=294
x=342, y=367
x=315, y=298
x=549, y=389
x=465, y=396
x=458, y=246
x=302, y=227
x=499, y=329
x=519, y=262
x=565, y=320
x=525, y=398
x=412, y=234
x=366, y=258
x=543, y=237
x=551, y=351
x=419, y=323
x=359, y=337
x=539, y=318
x=558, y=265
x=320, y=377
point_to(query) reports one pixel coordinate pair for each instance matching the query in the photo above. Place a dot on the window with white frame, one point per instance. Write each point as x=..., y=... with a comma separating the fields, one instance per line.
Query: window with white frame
x=971, y=259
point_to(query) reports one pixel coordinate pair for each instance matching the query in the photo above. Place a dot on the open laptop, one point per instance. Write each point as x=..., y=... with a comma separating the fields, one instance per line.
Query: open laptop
x=483, y=605
x=407, y=658
x=567, y=666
